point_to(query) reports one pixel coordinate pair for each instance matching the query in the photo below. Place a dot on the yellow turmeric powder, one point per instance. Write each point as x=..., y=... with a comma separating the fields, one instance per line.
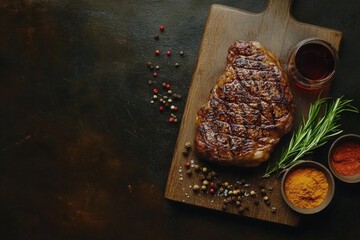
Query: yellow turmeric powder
x=306, y=187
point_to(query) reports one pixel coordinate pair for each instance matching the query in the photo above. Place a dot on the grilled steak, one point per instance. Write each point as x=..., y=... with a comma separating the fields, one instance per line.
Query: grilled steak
x=249, y=109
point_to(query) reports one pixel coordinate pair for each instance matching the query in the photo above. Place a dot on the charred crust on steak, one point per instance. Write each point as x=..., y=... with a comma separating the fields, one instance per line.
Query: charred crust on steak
x=248, y=110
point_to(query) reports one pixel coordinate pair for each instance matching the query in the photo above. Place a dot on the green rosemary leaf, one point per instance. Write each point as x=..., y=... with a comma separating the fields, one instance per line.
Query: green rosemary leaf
x=314, y=132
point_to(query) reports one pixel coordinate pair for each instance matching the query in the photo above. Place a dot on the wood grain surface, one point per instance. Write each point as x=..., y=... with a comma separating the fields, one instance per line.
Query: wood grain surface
x=278, y=31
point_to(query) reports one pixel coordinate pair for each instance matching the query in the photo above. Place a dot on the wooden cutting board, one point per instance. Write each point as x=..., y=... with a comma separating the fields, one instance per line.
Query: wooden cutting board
x=277, y=30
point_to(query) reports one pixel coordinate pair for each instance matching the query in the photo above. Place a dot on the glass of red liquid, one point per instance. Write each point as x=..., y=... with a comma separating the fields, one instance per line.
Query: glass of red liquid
x=312, y=63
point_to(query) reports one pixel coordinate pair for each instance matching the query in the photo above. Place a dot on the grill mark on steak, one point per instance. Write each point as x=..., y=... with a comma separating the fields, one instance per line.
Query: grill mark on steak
x=248, y=110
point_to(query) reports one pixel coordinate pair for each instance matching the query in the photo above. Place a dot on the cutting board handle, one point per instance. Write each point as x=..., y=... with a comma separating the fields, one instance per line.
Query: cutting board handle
x=278, y=8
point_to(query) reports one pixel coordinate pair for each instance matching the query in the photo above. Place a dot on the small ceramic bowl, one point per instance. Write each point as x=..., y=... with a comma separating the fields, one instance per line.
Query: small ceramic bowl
x=348, y=137
x=329, y=178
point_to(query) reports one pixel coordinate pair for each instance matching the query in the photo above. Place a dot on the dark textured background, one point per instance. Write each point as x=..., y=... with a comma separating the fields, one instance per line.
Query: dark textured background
x=84, y=155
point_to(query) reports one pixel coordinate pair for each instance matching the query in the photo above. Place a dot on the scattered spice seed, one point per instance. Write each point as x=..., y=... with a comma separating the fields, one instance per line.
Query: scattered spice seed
x=177, y=65
x=204, y=169
x=171, y=119
x=151, y=68
x=187, y=165
x=161, y=108
x=263, y=191
x=169, y=92
x=196, y=167
x=273, y=209
x=148, y=64
x=155, y=74
x=156, y=91
x=211, y=191
x=205, y=182
x=168, y=86
x=157, y=52
x=150, y=82
x=252, y=193
x=162, y=28
x=181, y=53
x=155, y=97
x=212, y=185
x=187, y=145
x=266, y=198
x=157, y=67
x=168, y=53
x=203, y=187
x=169, y=100
x=196, y=187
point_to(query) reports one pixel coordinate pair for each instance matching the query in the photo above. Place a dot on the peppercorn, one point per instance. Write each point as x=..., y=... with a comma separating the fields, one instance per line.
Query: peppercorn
x=212, y=185
x=221, y=190
x=204, y=169
x=226, y=184
x=161, y=108
x=169, y=100
x=155, y=74
x=171, y=119
x=157, y=52
x=201, y=177
x=211, y=191
x=237, y=203
x=187, y=165
x=266, y=198
x=155, y=97
x=263, y=191
x=196, y=167
x=169, y=92
x=157, y=37
x=273, y=209
x=157, y=67
x=163, y=84
x=205, y=182
x=148, y=64
x=225, y=201
x=162, y=28
x=155, y=91
x=252, y=193
x=187, y=145
x=203, y=187
x=177, y=65
x=165, y=97
x=168, y=53
x=181, y=53
x=151, y=68
x=150, y=82
x=271, y=188
x=196, y=187
x=189, y=172
x=167, y=86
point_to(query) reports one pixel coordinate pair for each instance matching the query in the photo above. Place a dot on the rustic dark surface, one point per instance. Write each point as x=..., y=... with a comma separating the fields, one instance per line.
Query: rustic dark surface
x=84, y=155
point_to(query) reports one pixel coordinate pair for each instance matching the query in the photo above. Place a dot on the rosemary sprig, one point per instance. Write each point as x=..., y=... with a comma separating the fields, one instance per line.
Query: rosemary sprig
x=313, y=132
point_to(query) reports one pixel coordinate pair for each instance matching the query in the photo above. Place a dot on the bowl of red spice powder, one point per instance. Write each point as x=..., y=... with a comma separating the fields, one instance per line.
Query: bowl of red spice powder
x=307, y=187
x=344, y=158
